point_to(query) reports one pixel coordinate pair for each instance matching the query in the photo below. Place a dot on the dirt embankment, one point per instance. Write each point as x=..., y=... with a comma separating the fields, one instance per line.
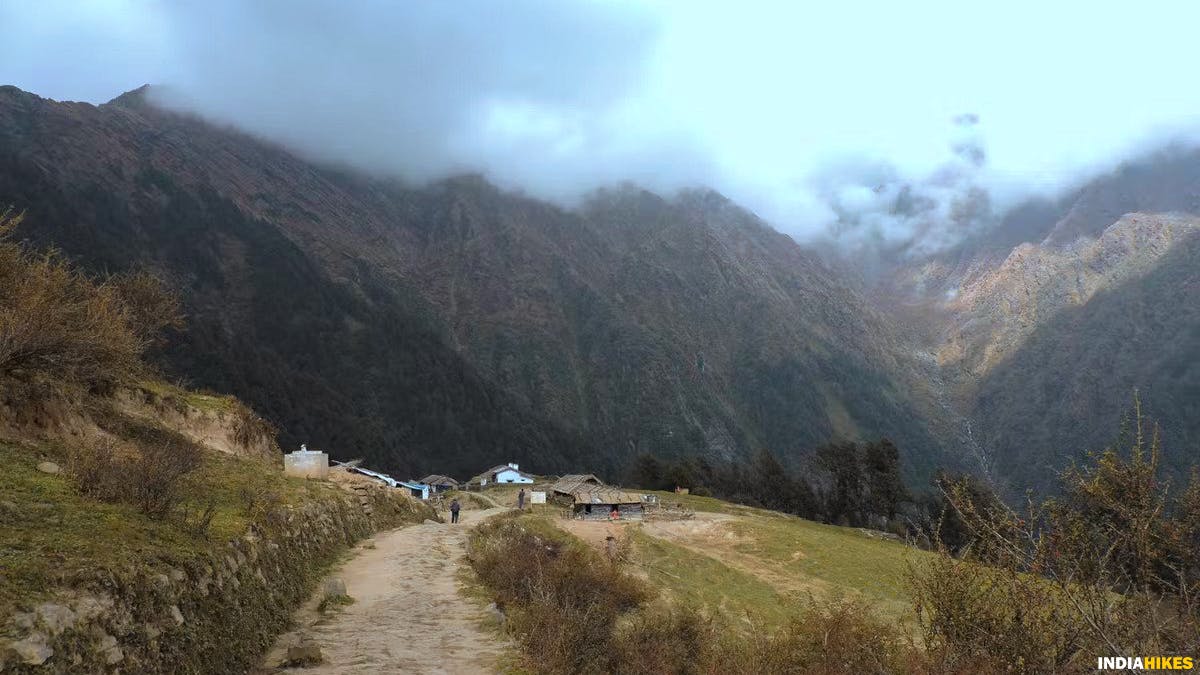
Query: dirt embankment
x=32, y=412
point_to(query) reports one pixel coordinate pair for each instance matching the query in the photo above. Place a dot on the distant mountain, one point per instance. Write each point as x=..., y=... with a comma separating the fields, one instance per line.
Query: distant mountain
x=451, y=326
x=1046, y=323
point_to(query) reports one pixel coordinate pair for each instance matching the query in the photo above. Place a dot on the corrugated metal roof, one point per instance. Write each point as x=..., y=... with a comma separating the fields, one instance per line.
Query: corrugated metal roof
x=438, y=479
x=375, y=474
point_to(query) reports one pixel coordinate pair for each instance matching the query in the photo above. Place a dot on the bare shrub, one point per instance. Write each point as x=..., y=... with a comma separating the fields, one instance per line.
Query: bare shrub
x=153, y=307
x=1108, y=567
x=664, y=641
x=823, y=638
x=523, y=561
x=249, y=428
x=564, y=598
x=151, y=477
x=58, y=322
x=263, y=506
x=978, y=617
x=197, y=520
x=99, y=471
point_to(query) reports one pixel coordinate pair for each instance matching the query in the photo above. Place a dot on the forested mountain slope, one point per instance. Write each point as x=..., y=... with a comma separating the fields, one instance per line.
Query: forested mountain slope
x=453, y=325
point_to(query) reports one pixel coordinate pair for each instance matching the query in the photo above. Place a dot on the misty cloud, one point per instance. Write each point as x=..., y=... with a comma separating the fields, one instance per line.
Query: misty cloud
x=533, y=93
x=876, y=206
x=841, y=121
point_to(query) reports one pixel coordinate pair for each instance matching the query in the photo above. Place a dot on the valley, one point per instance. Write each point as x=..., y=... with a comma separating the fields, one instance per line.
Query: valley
x=598, y=338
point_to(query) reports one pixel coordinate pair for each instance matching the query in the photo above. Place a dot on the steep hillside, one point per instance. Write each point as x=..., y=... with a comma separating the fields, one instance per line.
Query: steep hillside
x=997, y=308
x=440, y=327
x=1045, y=323
x=1045, y=403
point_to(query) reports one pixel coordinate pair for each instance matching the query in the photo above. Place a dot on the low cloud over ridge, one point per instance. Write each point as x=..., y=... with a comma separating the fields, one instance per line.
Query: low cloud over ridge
x=842, y=122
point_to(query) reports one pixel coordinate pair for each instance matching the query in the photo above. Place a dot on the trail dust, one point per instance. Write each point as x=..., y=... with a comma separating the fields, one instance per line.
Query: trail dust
x=408, y=615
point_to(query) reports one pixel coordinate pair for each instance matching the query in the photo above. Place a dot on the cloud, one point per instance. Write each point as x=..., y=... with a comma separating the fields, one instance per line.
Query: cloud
x=835, y=120
x=535, y=93
x=877, y=206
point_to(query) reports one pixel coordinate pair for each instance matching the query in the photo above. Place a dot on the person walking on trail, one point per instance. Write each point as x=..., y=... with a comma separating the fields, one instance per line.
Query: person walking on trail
x=454, y=507
x=521, y=499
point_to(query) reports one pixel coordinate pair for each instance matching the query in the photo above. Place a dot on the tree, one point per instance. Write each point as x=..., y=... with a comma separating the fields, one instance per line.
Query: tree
x=885, y=488
x=844, y=497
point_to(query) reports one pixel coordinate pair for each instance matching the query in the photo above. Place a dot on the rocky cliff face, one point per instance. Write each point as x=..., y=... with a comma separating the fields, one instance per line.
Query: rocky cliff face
x=1044, y=325
x=995, y=309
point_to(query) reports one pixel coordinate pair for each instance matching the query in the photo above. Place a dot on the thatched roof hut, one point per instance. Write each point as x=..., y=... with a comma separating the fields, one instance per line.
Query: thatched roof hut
x=602, y=502
x=573, y=482
x=439, y=482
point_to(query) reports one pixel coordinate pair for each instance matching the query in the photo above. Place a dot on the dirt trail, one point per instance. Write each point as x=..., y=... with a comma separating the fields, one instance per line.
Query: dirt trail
x=408, y=615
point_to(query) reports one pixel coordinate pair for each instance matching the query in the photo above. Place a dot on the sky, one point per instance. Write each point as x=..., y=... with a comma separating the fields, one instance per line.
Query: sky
x=821, y=117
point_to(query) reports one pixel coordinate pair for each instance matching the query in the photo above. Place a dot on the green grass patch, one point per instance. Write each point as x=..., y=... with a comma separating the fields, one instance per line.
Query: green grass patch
x=845, y=559
x=706, y=504
x=206, y=402
x=707, y=583
x=53, y=536
x=334, y=602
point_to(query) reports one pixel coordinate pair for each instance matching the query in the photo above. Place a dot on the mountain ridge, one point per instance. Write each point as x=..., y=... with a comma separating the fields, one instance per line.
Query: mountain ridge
x=634, y=324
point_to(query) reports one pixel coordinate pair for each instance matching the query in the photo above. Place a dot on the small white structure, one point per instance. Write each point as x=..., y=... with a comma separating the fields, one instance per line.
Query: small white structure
x=306, y=463
x=537, y=497
x=505, y=473
x=512, y=474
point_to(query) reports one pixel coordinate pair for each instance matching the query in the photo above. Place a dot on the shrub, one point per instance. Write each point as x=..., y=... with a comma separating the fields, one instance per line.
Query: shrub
x=150, y=477
x=663, y=641
x=564, y=599
x=1108, y=567
x=153, y=308
x=836, y=636
x=977, y=617
x=57, y=322
x=524, y=560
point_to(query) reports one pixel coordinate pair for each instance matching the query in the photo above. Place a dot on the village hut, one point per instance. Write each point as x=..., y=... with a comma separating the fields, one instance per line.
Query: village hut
x=598, y=502
x=568, y=485
x=439, y=483
x=504, y=473
x=564, y=489
x=418, y=490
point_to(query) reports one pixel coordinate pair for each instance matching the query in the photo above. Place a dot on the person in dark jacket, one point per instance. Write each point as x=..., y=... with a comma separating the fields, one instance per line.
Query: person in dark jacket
x=521, y=499
x=454, y=508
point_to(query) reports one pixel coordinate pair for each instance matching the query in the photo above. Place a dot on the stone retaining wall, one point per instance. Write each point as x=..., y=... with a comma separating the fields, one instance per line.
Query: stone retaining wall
x=214, y=614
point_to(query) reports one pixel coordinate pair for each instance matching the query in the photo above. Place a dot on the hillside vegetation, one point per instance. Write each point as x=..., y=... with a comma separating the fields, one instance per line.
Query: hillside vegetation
x=1110, y=567
x=146, y=528
x=454, y=322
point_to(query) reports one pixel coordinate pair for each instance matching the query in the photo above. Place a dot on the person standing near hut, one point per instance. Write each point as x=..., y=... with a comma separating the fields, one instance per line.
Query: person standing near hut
x=454, y=507
x=521, y=499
